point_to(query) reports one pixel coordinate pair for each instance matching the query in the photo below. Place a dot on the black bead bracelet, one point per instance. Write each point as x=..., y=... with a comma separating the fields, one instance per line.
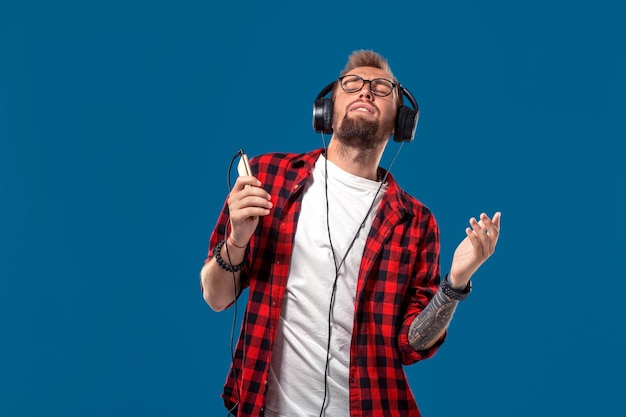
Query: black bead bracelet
x=455, y=294
x=218, y=258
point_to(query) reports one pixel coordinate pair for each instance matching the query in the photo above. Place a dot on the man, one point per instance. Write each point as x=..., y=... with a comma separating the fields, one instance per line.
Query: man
x=342, y=267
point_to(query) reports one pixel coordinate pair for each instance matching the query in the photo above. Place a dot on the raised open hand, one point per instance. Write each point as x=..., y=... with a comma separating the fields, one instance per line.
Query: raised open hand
x=475, y=249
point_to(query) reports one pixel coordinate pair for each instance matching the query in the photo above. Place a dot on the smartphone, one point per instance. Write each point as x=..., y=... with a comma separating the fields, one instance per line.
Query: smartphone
x=243, y=167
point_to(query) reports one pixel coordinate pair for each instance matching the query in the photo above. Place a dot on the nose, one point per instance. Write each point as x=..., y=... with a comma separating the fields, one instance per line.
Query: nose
x=366, y=90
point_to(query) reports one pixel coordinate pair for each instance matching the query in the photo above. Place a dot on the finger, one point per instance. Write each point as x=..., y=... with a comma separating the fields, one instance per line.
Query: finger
x=489, y=226
x=261, y=201
x=247, y=213
x=488, y=234
x=250, y=201
x=486, y=224
x=496, y=225
x=477, y=245
x=244, y=180
x=480, y=228
x=492, y=230
x=244, y=189
x=496, y=220
x=478, y=237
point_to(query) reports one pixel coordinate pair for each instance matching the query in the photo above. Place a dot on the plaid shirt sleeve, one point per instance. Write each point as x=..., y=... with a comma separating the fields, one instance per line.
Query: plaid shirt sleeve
x=424, y=286
x=220, y=232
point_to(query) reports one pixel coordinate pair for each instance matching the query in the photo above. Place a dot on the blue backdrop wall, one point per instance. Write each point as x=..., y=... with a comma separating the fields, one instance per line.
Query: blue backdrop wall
x=117, y=124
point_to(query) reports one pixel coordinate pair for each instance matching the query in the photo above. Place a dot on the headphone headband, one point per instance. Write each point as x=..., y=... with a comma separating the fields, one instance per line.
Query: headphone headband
x=326, y=90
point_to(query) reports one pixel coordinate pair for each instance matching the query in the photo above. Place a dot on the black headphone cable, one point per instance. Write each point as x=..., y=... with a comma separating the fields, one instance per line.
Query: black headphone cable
x=338, y=266
x=233, y=409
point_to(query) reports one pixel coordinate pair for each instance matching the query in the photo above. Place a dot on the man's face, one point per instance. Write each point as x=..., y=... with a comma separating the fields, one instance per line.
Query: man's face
x=362, y=119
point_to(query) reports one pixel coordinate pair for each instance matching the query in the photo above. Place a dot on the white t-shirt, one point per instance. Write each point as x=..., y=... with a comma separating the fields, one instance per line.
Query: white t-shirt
x=298, y=364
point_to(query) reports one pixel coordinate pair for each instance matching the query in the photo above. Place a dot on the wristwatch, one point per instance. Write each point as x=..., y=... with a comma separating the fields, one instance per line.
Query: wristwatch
x=447, y=289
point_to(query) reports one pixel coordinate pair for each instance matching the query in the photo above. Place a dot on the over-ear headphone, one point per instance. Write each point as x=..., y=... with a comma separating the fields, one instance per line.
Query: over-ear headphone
x=406, y=119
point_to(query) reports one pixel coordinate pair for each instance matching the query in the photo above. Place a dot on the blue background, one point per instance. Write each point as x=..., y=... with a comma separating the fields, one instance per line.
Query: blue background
x=118, y=121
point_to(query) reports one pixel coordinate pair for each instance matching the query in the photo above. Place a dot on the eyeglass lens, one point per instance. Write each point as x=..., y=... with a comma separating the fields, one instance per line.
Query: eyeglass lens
x=379, y=86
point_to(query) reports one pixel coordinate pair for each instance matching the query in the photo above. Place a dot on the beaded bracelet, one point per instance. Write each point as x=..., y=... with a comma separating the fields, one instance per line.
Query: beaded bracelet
x=455, y=294
x=218, y=258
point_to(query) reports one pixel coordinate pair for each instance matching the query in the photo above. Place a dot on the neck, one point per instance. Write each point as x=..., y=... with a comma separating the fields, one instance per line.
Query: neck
x=360, y=162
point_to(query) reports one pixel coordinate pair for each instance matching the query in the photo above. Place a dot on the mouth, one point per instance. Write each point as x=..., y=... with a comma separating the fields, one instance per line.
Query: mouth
x=362, y=108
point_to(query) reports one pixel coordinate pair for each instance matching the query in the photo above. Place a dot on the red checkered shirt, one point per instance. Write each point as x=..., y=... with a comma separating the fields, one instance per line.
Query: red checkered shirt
x=399, y=275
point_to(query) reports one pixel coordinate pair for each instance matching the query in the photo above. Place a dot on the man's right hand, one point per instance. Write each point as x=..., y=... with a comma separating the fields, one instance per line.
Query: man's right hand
x=246, y=202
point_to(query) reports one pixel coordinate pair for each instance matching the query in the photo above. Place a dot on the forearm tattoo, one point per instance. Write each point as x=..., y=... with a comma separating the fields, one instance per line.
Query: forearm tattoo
x=430, y=323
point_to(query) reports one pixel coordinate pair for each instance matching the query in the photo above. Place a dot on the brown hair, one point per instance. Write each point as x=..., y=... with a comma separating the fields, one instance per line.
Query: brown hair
x=368, y=58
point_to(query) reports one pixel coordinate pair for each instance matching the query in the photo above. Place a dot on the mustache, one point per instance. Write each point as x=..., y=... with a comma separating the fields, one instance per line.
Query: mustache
x=355, y=102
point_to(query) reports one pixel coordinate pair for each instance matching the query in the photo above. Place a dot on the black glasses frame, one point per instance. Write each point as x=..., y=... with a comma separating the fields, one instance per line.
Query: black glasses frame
x=363, y=81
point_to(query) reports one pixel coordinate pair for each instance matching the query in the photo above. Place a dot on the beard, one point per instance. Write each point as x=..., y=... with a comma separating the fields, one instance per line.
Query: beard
x=362, y=134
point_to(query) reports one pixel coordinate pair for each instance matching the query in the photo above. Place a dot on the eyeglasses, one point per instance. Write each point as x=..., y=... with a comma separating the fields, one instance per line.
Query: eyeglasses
x=380, y=87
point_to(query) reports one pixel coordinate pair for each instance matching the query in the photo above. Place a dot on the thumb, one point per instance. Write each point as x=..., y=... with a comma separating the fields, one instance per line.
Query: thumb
x=496, y=220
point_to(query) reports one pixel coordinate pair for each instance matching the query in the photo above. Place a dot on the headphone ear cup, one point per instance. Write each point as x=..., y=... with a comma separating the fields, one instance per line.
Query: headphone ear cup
x=406, y=123
x=323, y=115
